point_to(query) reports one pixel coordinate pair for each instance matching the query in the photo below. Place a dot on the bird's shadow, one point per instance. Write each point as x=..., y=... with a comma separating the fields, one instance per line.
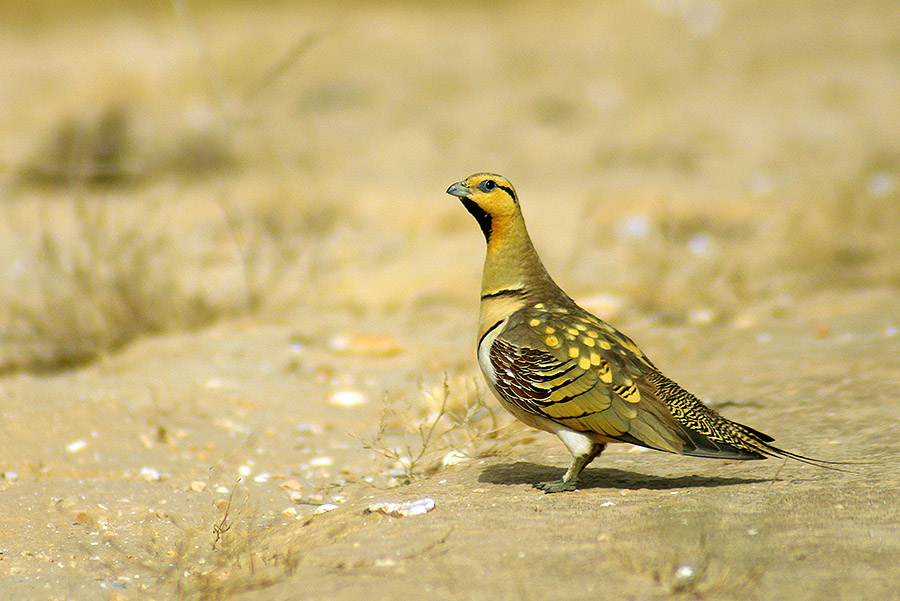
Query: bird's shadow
x=525, y=472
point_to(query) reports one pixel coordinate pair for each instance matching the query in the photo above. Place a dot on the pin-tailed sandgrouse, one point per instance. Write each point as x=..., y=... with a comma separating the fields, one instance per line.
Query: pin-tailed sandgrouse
x=560, y=369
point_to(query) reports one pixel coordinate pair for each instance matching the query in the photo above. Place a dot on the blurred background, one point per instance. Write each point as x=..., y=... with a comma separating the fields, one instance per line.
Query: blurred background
x=164, y=165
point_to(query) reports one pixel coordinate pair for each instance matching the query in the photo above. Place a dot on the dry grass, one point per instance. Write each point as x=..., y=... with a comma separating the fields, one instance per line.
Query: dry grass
x=240, y=558
x=97, y=274
x=232, y=552
x=95, y=291
x=451, y=424
x=103, y=257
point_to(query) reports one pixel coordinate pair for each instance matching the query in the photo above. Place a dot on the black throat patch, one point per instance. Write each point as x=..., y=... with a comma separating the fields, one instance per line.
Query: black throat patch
x=480, y=215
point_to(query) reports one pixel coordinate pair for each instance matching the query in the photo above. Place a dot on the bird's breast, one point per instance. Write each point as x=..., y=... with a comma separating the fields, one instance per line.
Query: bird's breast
x=484, y=353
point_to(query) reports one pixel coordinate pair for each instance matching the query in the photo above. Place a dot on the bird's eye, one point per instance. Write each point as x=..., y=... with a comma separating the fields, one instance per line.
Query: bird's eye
x=487, y=185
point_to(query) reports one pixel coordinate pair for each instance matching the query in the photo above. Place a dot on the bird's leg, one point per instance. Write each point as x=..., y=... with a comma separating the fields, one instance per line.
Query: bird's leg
x=570, y=478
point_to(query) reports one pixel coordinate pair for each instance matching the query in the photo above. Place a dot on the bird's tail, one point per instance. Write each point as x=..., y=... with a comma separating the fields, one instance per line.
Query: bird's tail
x=705, y=433
x=761, y=443
x=744, y=442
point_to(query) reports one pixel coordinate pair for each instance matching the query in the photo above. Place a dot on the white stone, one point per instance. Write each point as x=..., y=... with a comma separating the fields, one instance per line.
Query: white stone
x=347, y=398
x=403, y=508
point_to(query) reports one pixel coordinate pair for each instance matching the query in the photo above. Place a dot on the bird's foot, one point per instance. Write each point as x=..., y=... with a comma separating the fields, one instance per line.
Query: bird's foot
x=554, y=486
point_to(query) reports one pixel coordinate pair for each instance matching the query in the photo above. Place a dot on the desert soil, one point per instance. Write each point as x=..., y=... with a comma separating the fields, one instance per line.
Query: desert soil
x=232, y=331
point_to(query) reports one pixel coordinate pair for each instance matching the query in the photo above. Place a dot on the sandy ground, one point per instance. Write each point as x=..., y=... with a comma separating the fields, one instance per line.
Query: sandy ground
x=235, y=298
x=86, y=523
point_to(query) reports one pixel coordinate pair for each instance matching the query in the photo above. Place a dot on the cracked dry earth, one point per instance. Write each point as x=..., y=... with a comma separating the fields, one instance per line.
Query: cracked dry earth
x=129, y=489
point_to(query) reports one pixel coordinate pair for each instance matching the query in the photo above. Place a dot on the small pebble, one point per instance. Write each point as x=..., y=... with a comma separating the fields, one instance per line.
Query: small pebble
x=634, y=227
x=321, y=461
x=150, y=474
x=11, y=476
x=233, y=427
x=68, y=502
x=365, y=345
x=347, y=398
x=684, y=572
x=453, y=458
x=307, y=429
x=701, y=317
x=700, y=244
x=397, y=471
x=881, y=184
x=402, y=509
x=244, y=470
x=743, y=321
x=76, y=446
x=683, y=579
x=198, y=486
x=324, y=508
x=291, y=485
x=222, y=490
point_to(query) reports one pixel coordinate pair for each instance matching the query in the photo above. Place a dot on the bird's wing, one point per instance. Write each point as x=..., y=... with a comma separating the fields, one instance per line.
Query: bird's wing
x=573, y=371
x=578, y=371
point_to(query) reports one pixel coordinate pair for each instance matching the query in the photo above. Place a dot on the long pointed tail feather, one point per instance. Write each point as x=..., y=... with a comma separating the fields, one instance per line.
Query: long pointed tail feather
x=773, y=451
x=760, y=443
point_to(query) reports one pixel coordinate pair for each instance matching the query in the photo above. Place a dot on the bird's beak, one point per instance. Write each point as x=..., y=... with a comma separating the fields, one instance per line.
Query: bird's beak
x=458, y=189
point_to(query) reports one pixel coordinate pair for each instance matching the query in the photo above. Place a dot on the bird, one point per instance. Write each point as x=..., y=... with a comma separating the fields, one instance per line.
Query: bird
x=558, y=368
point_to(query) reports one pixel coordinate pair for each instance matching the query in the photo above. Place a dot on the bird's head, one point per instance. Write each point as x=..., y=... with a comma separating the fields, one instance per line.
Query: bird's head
x=489, y=197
